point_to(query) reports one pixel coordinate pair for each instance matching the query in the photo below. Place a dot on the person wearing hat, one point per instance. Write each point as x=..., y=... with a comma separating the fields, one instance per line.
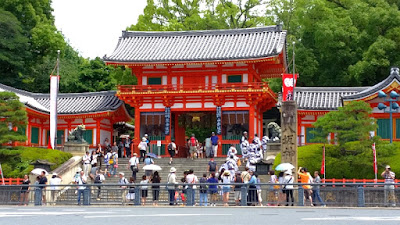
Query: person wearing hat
x=142, y=148
x=171, y=180
x=134, y=165
x=288, y=187
x=123, y=182
x=389, y=177
x=226, y=188
x=214, y=142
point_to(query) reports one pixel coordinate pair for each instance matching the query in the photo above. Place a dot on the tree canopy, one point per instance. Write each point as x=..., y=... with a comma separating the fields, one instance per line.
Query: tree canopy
x=349, y=123
x=12, y=114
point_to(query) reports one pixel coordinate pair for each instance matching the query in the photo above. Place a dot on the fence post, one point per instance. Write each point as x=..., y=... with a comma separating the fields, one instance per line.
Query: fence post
x=86, y=196
x=244, y=195
x=189, y=194
x=360, y=196
x=137, y=195
x=38, y=196
x=301, y=196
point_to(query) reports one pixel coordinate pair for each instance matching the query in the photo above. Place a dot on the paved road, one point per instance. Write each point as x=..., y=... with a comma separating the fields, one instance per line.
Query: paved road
x=195, y=215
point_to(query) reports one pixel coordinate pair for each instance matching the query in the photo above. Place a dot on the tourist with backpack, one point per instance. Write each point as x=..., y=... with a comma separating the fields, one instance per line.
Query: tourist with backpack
x=113, y=163
x=107, y=158
x=193, y=142
x=98, y=180
x=212, y=166
x=171, y=150
x=203, y=190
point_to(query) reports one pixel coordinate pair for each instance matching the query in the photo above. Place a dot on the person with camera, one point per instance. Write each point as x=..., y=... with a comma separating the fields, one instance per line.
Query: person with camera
x=389, y=177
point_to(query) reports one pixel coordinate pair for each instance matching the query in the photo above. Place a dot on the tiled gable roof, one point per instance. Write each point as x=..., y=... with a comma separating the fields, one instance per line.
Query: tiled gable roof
x=250, y=43
x=323, y=98
x=69, y=103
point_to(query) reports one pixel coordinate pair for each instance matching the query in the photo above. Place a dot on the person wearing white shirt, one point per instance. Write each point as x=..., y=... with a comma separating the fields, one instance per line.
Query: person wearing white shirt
x=142, y=148
x=192, y=179
x=134, y=165
x=171, y=150
x=288, y=187
x=86, y=163
x=54, y=181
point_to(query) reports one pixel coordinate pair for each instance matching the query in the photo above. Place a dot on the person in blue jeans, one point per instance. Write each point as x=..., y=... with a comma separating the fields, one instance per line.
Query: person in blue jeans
x=203, y=190
x=315, y=194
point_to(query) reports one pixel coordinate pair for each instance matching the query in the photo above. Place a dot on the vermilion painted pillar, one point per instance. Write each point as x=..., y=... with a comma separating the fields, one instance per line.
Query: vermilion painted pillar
x=251, y=124
x=136, y=140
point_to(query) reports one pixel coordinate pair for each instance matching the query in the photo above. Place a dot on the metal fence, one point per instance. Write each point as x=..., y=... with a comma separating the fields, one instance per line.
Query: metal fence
x=336, y=195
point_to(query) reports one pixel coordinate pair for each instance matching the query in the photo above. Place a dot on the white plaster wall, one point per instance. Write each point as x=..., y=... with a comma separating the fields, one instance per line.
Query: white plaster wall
x=106, y=121
x=164, y=80
x=181, y=80
x=80, y=121
x=209, y=105
x=158, y=106
x=303, y=135
x=103, y=135
x=44, y=137
x=193, y=105
x=94, y=136
x=90, y=120
x=214, y=79
x=308, y=117
x=146, y=106
x=177, y=106
x=174, y=80
x=223, y=79
x=229, y=104
x=66, y=133
x=242, y=104
x=245, y=78
x=144, y=80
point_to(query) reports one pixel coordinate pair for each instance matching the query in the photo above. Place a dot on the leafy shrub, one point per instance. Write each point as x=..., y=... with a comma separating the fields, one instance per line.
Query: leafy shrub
x=16, y=161
x=356, y=163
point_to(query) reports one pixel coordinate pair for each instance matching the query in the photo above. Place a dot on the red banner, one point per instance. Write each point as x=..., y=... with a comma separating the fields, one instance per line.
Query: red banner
x=287, y=86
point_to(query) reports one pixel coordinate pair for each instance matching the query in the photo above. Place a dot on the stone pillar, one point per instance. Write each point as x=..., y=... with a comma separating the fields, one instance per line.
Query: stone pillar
x=289, y=133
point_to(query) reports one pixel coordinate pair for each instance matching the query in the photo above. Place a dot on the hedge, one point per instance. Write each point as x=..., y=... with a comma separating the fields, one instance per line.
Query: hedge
x=16, y=161
x=356, y=161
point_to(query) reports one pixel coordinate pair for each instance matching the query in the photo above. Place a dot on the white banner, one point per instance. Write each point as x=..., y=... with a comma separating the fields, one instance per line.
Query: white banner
x=2, y=176
x=53, y=109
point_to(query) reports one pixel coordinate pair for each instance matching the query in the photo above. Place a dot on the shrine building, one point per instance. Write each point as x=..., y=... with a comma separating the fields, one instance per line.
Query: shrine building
x=98, y=111
x=314, y=102
x=205, y=79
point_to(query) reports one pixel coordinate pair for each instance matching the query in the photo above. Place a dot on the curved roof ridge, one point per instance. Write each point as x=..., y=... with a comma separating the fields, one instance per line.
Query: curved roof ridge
x=127, y=33
x=394, y=75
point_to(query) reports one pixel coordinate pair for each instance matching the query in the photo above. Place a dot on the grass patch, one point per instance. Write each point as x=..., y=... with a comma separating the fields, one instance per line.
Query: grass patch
x=356, y=161
x=16, y=161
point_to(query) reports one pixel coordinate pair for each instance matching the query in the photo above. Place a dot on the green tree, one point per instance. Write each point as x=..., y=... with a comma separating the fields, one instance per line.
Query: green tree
x=176, y=15
x=94, y=75
x=37, y=22
x=340, y=43
x=349, y=123
x=123, y=76
x=12, y=114
x=12, y=43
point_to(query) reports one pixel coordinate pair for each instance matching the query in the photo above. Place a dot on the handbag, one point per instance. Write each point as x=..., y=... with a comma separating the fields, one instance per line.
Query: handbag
x=115, y=166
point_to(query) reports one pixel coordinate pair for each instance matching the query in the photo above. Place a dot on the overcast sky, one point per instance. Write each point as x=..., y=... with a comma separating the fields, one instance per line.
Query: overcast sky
x=93, y=26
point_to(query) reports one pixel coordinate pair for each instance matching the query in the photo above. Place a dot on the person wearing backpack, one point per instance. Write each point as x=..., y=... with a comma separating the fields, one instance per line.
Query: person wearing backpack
x=98, y=180
x=212, y=166
x=171, y=150
x=134, y=165
x=113, y=163
x=203, y=190
x=107, y=158
x=193, y=142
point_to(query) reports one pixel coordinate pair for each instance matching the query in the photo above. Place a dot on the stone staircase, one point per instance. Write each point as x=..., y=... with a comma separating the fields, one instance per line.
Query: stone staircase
x=112, y=194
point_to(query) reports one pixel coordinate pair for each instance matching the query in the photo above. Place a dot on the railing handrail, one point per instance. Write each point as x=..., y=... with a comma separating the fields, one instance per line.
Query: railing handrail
x=192, y=87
